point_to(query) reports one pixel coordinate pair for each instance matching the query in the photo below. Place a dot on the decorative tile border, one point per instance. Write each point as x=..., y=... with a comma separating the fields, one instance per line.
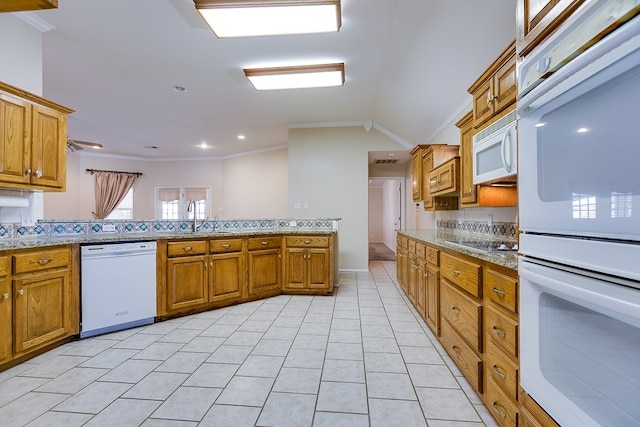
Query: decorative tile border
x=496, y=229
x=80, y=227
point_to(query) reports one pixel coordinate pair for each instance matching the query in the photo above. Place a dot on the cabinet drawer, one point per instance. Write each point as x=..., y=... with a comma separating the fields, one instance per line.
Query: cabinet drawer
x=267, y=242
x=463, y=313
x=308, y=241
x=503, y=331
x=403, y=241
x=500, y=405
x=420, y=249
x=502, y=289
x=225, y=245
x=466, y=274
x=432, y=255
x=468, y=362
x=182, y=248
x=503, y=371
x=40, y=260
x=4, y=265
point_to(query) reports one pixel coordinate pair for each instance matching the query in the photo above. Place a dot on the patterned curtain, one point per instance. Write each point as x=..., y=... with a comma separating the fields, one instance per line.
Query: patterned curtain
x=111, y=188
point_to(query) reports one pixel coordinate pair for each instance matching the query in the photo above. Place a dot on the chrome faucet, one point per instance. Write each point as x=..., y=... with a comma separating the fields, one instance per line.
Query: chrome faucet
x=191, y=207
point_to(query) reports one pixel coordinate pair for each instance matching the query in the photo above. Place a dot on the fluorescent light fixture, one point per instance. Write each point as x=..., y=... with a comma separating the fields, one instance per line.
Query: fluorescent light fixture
x=303, y=76
x=244, y=18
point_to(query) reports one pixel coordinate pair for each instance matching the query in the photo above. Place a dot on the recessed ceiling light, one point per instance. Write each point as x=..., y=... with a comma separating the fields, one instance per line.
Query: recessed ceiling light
x=179, y=89
x=242, y=18
x=301, y=76
x=241, y=137
x=203, y=145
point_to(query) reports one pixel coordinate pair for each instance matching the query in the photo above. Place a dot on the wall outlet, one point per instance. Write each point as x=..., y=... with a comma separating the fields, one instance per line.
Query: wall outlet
x=28, y=221
x=108, y=228
x=292, y=223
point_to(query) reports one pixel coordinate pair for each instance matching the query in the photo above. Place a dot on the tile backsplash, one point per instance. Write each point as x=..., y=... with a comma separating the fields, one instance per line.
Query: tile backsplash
x=78, y=227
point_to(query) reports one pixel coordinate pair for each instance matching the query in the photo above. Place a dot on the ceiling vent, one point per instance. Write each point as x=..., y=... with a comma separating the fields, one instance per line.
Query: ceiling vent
x=385, y=161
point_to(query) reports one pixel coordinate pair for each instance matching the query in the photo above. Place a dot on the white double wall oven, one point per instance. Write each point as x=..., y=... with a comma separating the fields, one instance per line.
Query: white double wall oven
x=579, y=211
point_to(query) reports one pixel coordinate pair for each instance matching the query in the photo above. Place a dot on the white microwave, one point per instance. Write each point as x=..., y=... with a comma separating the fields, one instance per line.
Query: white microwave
x=495, y=152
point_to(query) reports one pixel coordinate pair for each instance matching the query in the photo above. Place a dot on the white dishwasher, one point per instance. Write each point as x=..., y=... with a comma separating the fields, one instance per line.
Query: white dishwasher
x=117, y=287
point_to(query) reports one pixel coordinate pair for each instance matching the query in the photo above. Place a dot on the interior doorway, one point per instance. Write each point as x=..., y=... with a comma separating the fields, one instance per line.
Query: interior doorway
x=386, y=215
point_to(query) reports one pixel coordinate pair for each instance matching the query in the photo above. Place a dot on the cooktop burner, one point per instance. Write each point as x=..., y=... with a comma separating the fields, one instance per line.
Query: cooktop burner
x=487, y=245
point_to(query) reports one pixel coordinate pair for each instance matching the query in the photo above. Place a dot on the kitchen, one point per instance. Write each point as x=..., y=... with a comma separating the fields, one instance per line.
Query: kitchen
x=379, y=143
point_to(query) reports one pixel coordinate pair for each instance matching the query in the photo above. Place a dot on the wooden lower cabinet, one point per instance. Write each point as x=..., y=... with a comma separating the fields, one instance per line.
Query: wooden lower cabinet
x=39, y=300
x=308, y=264
x=265, y=272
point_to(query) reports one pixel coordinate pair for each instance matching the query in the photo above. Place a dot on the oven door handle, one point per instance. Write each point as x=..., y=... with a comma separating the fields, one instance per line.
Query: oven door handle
x=507, y=156
x=615, y=300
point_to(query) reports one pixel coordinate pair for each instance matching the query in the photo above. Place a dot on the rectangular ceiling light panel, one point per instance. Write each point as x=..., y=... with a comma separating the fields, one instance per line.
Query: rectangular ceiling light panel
x=306, y=76
x=244, y=18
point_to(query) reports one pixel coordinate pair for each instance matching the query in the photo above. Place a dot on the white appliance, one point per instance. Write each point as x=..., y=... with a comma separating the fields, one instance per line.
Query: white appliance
x=495, y=151
x=579, y=211
x=117, y=287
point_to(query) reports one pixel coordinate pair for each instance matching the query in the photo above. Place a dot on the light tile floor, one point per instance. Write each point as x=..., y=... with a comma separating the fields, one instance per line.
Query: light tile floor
x=362, y=357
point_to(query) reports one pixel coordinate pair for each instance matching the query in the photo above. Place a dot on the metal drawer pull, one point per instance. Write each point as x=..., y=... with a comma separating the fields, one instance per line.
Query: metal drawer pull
x=44, y=261
x=187, y=248
x=226, y=245
x=306, y=242
x=430, y=256
x=265, y=243
x=498, y=409
x=20, y=291
x=455, y=309
x=456, y=349
x=499, y=332
x=455, y=272
x=498, y=291
x=5, y=295
x=498, y=371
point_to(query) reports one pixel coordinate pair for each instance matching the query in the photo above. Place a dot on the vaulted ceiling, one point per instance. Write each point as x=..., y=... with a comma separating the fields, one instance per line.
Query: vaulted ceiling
x=408, y=64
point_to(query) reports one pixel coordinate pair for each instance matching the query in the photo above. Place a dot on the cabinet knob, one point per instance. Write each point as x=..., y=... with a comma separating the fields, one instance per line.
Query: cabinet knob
x=455, y=309
x=44, y=261
x=5, y=295
x=27, y=172
x=455, y=272
x=226, y=246
x=38, y=173
x=456, y=349
x=187, y=248
x=499, y=332
x=20, y=291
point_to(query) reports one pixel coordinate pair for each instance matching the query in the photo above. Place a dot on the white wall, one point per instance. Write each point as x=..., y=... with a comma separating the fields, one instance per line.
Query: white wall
x=391, y=212
x=240, y=187
x=328, y=169
x=21, y=45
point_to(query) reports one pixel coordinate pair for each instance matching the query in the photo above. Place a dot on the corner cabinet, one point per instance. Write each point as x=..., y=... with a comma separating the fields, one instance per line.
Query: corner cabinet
x=308, y=264
x=33, y=138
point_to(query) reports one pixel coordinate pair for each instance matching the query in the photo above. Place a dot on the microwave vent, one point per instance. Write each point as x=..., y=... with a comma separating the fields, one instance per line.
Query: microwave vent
x=499, y=124
x=385, y=161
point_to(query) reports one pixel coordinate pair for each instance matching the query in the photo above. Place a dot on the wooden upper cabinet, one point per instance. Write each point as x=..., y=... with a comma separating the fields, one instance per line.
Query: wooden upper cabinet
x=33, y=140
x=468, y=193
x=496, y=88
x=537, y=19
x=22, y=5
x=417, y=172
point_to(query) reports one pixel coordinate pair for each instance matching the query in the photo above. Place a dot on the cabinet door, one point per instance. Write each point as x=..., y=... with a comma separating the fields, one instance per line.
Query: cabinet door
x=432, y=303
x=402, y=265
x=41, y=304
x=421, y=289
x=483, y=103
x=48, y=145
x=5, y=320
x=265, y=270
x=468, y=193
x=427, y=165
x=226, y=276
x=413, y=278
x=295, y=259
x=187, y=282
x=318, y=269
x=505, y=86
x=536, y=19
x=416, y=175
x=15, y=127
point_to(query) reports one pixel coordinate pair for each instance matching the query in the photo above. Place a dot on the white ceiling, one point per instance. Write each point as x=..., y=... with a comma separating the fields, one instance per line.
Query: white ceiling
x=408, y=64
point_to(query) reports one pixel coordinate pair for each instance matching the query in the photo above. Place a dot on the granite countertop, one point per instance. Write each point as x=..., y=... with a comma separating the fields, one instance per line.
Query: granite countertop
x=445, y=239
x=24, y=242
